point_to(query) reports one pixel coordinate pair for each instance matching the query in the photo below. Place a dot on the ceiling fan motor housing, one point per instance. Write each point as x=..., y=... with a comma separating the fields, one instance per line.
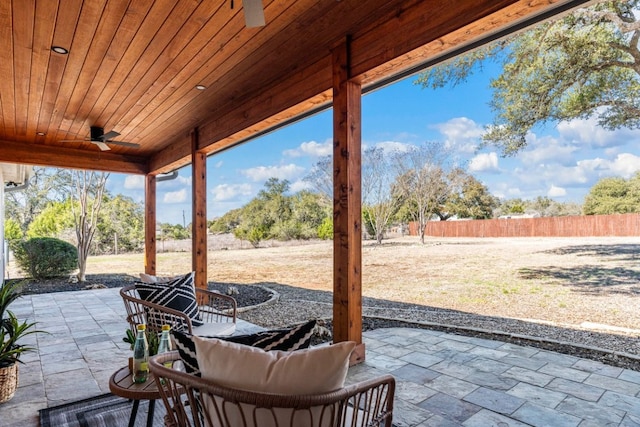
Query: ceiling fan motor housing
x=96, y=133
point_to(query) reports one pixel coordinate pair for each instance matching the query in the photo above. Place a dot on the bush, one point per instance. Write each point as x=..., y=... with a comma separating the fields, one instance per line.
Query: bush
x=325, y=230
x=44, y=257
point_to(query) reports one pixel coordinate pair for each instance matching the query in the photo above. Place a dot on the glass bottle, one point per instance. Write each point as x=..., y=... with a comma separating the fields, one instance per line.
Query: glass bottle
x=165, y=342
x=141, y=356
x=165, y=346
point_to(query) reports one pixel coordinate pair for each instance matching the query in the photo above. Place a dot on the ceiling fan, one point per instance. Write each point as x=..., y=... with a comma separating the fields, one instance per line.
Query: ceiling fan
x=103, y=140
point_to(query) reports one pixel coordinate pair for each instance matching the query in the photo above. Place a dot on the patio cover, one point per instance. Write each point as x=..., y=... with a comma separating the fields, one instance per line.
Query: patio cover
x=187, y=79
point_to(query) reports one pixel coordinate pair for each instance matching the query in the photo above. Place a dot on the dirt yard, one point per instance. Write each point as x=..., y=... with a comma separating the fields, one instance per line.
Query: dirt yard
x=591, y=283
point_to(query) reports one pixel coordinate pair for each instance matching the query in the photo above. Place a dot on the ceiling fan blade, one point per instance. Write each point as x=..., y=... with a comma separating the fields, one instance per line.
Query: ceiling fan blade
x=253, y=13
x=123, y=144
x=111, y=134
x=101, y=145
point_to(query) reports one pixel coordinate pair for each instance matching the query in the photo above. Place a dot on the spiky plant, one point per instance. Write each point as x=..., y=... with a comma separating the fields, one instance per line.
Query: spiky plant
x=11, y=329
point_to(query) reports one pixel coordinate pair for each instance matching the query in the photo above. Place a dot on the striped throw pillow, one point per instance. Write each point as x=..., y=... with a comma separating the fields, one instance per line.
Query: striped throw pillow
x=291, y=339
x=178, y=294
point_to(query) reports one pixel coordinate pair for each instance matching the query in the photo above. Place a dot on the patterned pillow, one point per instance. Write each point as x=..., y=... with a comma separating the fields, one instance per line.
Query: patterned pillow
x=296, y=338
x=178, y=294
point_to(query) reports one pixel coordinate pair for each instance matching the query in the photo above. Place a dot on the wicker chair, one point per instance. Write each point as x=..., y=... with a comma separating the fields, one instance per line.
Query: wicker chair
x=218, y=312
x=194, y=401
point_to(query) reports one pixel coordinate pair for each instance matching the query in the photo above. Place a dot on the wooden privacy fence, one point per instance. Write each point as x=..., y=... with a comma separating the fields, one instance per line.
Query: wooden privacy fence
x=560, y=226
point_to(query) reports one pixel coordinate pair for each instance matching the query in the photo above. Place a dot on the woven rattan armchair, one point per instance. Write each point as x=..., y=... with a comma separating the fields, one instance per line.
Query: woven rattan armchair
x=217, y=311
x=194, y=401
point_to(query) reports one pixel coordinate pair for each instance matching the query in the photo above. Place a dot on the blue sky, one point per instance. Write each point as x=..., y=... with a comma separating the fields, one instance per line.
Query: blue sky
x=561, y=161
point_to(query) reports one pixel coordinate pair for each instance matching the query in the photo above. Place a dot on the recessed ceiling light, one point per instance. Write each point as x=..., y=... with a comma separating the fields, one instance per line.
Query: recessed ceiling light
x=40, y=133
x=201, y=87
x=59, y=49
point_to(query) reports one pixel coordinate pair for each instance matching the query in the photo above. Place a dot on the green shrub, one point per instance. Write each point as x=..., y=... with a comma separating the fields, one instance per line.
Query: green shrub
x=325, y=230
x=44, y=257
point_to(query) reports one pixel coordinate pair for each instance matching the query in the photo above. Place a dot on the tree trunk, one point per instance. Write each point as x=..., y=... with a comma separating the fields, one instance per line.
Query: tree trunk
x=422, y=225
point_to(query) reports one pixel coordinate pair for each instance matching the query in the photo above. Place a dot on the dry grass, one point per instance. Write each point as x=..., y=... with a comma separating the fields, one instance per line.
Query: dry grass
x=565, y=281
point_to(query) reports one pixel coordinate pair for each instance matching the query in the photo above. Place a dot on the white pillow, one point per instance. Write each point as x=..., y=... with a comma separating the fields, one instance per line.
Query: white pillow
x=310, y=371
x=147, y=278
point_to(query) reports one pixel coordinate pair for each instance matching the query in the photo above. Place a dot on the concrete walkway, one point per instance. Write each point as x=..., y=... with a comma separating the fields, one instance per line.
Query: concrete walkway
x=442, y=379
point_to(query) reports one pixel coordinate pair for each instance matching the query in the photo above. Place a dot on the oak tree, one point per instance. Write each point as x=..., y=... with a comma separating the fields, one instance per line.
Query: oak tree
x=581, y=65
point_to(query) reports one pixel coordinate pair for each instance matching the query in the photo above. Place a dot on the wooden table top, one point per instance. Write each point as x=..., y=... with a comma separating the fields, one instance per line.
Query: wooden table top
x=121, y=384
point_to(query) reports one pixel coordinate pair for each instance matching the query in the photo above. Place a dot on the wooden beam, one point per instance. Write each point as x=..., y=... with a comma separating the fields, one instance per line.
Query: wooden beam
x=150, y=225
x=374, y=56
x=347, y=198
x=199, y=212
x=45, y=155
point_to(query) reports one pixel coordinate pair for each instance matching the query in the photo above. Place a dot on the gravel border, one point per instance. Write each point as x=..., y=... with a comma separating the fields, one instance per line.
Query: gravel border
x=296, y=305
x=273, y=305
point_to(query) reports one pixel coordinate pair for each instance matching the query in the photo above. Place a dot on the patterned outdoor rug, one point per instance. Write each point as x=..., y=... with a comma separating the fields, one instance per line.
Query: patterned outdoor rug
x=106, y=410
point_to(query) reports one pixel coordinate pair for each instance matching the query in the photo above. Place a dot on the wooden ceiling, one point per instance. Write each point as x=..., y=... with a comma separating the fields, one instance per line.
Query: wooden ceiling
x=133, y=67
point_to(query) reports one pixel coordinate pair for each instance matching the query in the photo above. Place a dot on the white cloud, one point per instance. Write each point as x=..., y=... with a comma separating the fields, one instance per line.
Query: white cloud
x=556, y=191
x=175, y=196
x=547, y=150
x=262, y=173
x=587, y=132
x=461, y=134
x=218, y=164
x=310, y=148
x=229, y=191
x=300, y=185
x=625, y=165
x=484, y=162
x=184, y=180
x=134, y=182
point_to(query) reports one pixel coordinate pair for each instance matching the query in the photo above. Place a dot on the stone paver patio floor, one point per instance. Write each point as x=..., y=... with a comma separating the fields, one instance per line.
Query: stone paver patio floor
x=442, y=379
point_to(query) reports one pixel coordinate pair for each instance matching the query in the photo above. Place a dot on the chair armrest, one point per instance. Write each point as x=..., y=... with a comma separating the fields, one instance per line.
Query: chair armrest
x=154, y=315
x=186, y=396
x=216, y=307
x=370, y=402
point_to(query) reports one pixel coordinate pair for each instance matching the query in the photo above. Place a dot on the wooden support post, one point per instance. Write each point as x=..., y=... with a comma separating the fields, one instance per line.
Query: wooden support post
x=347, y=197
x=199, y=212
x=150, y=225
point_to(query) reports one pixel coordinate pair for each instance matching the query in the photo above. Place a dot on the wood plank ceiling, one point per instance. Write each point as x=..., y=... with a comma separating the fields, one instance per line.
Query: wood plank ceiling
x=133, y=67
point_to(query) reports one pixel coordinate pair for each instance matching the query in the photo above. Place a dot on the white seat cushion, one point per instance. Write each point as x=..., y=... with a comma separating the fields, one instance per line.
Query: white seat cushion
x=309, y=371
x=215, y=329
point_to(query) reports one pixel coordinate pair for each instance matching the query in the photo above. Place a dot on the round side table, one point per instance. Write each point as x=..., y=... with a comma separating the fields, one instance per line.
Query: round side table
x=121, y=384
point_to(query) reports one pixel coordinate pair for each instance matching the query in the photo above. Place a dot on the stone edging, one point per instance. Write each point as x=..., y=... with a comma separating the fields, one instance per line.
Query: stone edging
x=462, y=329
x=522, y=337
x=275, y=296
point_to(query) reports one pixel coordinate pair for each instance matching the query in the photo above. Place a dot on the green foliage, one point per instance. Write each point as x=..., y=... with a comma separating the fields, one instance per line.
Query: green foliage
x=540, y=206
x=368, y=221
x=578, y=66
x=472, y=200
x=513, y=206
x=153, y=339
x=306, y=215
x=226, y=223
x=275, y=215
x=613, y=196
x=44, y=257
x=325, y=230
x=174, y=232
x=24, y=205
x=11, y=329
x=55, y=218
x=120, y=226
x=12, y=230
